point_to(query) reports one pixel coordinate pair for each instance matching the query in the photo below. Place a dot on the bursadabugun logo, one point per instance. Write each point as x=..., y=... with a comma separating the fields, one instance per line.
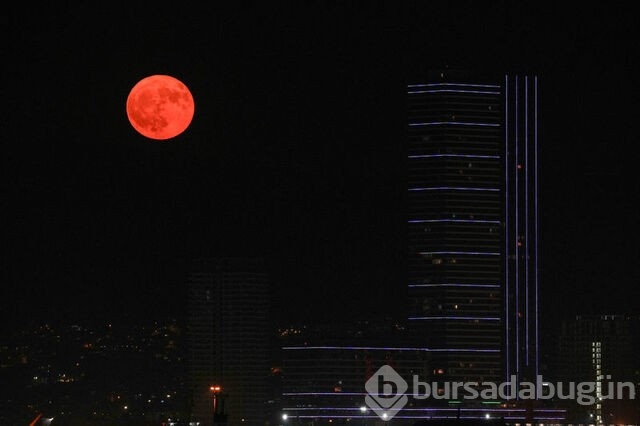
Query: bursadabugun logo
x=386, y=392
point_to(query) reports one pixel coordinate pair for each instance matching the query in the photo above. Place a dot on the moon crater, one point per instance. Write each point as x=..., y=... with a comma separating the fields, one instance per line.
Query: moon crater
x=160, y=107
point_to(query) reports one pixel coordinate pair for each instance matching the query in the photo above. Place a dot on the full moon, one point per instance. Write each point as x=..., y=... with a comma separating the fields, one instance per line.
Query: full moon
x=160, y=107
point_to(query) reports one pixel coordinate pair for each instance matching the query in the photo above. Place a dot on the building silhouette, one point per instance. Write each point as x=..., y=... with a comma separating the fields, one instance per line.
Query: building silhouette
x=603, y=350
x=228, y=341
x=326, y=370
x=326, y=366
x=472, y=267
x=473, y=224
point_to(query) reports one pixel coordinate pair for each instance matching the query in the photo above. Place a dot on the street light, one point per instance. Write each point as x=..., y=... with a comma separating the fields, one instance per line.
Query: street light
x=216, y=391
x=363, y=410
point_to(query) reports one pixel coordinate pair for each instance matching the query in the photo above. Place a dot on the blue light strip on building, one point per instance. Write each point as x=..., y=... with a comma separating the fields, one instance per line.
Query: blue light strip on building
x=506, y=232
x=526, y=219
x=453, y=84
x=517, y=228
x=535, y=198
x=410, y=409
x=494, y=222
x=478, y=92
x=453, y=123
x=457, y=285
x=491, y=157
x=479, y=416
x=453, y=188
x=474, y=253
x=324, y=394
x=455, y=318
x=377, y=348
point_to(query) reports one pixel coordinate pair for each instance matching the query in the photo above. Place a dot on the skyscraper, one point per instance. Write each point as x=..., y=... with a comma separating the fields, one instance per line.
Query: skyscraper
x=228, y=339
x=473, y=224
x=472, y=266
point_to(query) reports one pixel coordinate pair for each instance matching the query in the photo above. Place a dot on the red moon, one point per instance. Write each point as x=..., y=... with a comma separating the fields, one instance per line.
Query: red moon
x=160, y=107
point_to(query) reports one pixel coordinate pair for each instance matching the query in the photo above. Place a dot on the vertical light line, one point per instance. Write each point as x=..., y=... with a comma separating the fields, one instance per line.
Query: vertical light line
x=506, y=226
x=535, y=207
x=526, y=215
x=517, y=229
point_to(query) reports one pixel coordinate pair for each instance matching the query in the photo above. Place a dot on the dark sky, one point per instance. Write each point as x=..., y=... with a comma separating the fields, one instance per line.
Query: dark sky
x=296, y=150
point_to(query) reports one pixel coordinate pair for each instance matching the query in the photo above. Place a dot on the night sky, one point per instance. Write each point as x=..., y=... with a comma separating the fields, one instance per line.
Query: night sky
x=296, y=152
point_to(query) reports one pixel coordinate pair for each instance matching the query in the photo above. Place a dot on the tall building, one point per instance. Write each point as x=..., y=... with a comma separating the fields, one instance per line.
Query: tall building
x=601, y=349
x=472, y=266
x=473, y=224
x=228, y=341
x=325, y=370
